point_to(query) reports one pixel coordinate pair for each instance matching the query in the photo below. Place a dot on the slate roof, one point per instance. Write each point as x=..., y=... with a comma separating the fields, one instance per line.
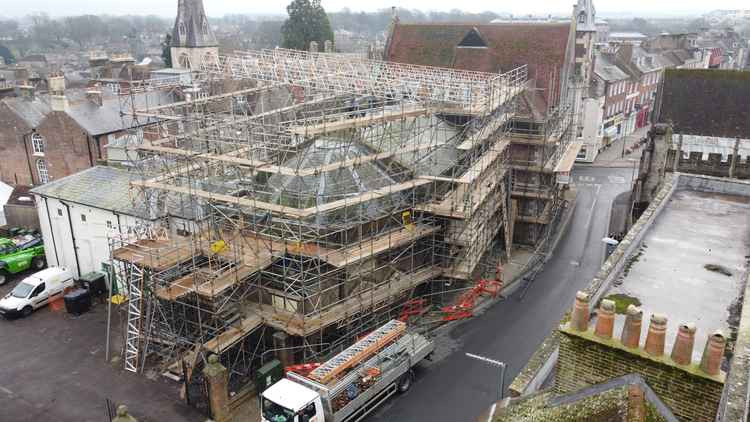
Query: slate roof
x=94, y=119
x=541, y=46
x=100, y=187
x=607, y=70
x=707, y=102
x=191, y=28
x=108, y=188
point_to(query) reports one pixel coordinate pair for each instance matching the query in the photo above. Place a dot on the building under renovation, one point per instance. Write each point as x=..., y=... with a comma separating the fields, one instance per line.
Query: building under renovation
x=323, y=198
x=299, y=200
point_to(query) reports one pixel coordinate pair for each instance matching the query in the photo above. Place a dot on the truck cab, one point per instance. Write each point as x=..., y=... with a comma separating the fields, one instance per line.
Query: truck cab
x=36, y=291
x=287, y=401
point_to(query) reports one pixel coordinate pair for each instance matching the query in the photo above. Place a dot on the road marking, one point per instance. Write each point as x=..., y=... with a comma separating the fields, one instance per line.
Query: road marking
x=6, y=391
x=575, y=263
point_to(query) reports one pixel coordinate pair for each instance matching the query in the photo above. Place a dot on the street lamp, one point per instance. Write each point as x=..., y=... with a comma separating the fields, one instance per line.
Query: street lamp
x=495, y=363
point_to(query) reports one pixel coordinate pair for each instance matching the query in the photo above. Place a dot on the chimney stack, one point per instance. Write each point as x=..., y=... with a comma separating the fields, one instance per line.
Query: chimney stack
x=26, y=92
x=313, y=46
x=655, y=338
x=328, y=46
x=580, y=318
x=94, y=94
x=713, y=353
x=631, y=332
x=682, y=351
x=56, y=86
x=605, y=319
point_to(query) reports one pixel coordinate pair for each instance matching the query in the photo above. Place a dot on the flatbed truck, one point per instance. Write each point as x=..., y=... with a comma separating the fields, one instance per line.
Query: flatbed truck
x=351, y=384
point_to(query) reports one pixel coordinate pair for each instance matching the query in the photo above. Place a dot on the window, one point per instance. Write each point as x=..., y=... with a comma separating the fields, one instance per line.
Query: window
x=37, y=142
x=205, y=27
x=308, y=413
x=41, y=168
x=39, y=289
x=181, y=28
x=109, y=224
x=83, y=218
x=59, y=212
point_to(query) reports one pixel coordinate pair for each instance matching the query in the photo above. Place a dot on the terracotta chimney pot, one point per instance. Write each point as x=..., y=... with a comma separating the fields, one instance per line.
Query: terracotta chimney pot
x=631, y=331
x=713, y=353
x=580, y=318
x=605, y=319
x=682, y=351
x=657, y=331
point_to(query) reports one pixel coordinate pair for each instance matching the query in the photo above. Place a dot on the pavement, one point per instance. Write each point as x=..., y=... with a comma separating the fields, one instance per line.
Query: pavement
x=455, y=388
x=616, y=153
x=52, y=367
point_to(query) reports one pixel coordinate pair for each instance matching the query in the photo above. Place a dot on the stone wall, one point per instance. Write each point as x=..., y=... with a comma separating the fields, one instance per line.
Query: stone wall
x=585, y=360
x=714, y=165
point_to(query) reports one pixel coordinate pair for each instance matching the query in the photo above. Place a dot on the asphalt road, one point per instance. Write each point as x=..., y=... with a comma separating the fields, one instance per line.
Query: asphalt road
x=454, y=388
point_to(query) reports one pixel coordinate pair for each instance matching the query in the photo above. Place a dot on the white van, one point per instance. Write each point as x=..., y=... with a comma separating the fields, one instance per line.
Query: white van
x=36, y=291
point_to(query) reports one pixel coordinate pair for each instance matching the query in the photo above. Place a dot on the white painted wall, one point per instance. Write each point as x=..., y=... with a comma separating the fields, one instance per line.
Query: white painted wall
x=91, y=235
x=593, y=115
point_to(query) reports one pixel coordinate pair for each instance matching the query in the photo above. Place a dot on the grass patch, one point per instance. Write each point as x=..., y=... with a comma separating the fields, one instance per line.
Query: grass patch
x=622, y=301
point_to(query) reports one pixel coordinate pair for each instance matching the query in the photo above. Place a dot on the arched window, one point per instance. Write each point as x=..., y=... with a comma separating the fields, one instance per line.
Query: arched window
x=41, y=168
x=37, y=143
x=181, y=28
x=205, y=27
x=184, y=61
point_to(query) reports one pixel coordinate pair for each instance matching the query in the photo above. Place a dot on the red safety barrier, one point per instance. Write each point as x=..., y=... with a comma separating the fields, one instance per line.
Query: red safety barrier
x=412, y=307
x=303, y=369
x=464, y=308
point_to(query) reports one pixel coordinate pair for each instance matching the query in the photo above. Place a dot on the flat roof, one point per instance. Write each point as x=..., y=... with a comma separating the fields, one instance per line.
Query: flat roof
x=668, y=272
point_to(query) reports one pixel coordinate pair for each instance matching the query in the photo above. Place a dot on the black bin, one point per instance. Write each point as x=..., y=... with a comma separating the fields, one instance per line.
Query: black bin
x=78, y=301
x=94, y=283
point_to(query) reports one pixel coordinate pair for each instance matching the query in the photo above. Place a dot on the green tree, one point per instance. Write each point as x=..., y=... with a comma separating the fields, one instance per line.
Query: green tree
x=166, y=50
x=307, y=22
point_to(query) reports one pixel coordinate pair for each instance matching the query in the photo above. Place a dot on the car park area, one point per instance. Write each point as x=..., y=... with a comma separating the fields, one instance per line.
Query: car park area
x=53, y=367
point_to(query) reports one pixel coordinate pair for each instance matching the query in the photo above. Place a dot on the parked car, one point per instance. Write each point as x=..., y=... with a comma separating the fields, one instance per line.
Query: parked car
x=19, y=254
x=36, y=291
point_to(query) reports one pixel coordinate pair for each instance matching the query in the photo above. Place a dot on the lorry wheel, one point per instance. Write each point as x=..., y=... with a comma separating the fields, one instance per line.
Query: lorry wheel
x=27, y=311
x=38, y=263
x=404, y=383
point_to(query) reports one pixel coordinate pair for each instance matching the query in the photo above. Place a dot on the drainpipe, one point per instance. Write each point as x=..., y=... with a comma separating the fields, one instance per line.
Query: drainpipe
x=51, y=231
x=28, y=158
x=73, y=238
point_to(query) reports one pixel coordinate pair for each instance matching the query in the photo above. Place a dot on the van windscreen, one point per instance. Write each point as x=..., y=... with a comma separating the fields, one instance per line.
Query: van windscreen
x=22, y=290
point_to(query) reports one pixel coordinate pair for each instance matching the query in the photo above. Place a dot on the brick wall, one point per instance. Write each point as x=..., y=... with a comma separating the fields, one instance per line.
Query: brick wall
x=14, y=167
x=67, y=146
x=586, y=360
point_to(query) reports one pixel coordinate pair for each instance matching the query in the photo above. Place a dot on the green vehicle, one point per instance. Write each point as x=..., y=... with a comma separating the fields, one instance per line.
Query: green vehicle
x=19, y=254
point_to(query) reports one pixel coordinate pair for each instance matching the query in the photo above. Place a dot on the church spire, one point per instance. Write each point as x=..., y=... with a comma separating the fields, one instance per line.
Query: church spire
x=191, y=28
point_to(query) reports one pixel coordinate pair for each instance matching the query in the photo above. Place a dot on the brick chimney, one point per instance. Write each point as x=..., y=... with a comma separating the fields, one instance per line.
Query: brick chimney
x=713, y=353
x=580, y=319
x=631, y=331
x=94, y=94
x=655, y=338
x=682, y=351
x=605, y=319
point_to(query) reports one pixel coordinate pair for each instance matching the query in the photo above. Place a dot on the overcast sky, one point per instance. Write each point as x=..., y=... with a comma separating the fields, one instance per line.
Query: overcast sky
x=221, y=7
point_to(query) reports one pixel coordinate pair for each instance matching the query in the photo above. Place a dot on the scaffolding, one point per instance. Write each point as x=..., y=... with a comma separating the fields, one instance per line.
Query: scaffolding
x=306, y=194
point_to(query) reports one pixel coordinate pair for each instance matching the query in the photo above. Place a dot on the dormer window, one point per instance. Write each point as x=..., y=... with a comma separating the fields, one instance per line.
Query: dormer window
x=582, y=18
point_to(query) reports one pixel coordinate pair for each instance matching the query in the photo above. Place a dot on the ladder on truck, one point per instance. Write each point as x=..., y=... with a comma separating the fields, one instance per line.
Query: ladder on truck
x=359, y=351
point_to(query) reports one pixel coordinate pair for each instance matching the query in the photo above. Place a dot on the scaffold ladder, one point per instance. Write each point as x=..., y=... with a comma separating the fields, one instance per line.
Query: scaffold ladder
x=359, y=351
x=135, y=305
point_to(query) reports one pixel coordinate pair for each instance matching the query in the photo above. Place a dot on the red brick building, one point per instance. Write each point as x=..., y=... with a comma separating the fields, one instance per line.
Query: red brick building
x=47, y=137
